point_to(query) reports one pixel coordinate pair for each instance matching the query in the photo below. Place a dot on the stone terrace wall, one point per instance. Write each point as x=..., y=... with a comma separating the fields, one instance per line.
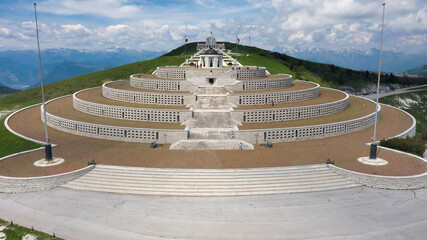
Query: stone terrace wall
x=131, y=113
x=147, y=97
x=126, y=134
x=306, y=132
x=277, y=97
x=386, y=182
x=171, y=72
x=262, y=84
x=286, y=114
x=155, y=84
x=33, y=184
x=244, y=73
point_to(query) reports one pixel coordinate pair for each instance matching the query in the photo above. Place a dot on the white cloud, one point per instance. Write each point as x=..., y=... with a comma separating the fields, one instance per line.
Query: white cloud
x=105, y=8
x=270, y=23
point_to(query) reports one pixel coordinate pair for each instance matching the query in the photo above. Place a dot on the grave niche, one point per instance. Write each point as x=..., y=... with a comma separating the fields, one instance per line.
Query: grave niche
x=211, y=81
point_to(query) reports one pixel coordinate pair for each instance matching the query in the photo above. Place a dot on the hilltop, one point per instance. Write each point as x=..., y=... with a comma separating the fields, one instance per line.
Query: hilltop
x=6, y=90
x=325, y=74
x=421, y=70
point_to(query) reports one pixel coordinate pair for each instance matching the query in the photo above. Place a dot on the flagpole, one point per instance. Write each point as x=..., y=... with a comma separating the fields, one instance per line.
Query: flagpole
x=185, y=47
x=373, y=150
x=48, y=147
x=237, y=37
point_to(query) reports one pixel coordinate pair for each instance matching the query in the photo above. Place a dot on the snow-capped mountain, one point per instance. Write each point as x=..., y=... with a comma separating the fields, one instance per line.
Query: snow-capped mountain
x=19, y=69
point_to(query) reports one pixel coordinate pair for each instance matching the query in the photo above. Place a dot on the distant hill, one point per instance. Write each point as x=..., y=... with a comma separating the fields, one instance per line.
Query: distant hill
x=6, y=90
x=325, y=74
x=20, y=69
x=421, y=70
x=356, y=59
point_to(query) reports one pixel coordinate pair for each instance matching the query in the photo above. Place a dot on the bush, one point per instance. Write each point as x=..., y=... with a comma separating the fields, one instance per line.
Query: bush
x=408, y=144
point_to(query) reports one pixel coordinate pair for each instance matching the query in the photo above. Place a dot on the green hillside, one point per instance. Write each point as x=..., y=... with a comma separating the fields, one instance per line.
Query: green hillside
x=421, y=70
x=71, y=85
x=324, y=74
x=6, y=90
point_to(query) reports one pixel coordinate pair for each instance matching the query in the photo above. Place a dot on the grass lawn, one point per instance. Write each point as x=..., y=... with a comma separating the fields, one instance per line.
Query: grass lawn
x=16, y=232
x=12, y=144
x=272, y=66
x=71, y=85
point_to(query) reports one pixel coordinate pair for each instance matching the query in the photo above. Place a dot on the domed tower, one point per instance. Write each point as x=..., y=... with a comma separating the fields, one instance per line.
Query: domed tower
x=211, y=59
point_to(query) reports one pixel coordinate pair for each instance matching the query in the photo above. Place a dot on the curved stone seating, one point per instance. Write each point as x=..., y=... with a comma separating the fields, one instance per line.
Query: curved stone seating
x=130, y=113
x=147, y=97
x=290, y=113
x=265, y=97
x=210, y=182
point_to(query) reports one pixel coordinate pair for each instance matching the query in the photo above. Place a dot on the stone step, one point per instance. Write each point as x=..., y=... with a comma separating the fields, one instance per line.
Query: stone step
x=215, y=173
x=212, y=90
x=134, y=181
x=199, y=188
x=210, y=182
x=211, y=144
x=212, y=192
x=199, y=133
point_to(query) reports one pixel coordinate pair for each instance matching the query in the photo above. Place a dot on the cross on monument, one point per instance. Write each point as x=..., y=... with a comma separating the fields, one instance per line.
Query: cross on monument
x=256, y=138
x=165, y=135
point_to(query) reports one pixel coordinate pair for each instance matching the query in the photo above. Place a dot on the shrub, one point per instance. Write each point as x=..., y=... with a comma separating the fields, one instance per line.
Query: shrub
x=408, y=144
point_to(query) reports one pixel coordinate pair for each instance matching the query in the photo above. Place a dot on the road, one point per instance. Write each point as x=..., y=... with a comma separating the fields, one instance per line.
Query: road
x=397, y=91
x=356, y=213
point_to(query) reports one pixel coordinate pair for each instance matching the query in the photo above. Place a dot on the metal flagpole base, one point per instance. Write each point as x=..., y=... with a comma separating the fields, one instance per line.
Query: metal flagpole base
x=373, y=159
x=373, y=151
x=48, y=163
x=48, y=152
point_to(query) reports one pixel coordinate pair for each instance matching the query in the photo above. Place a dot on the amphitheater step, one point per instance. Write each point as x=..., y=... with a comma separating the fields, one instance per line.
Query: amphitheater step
x=210, y=133
x=211, y=144
x=210, y=182
x=212, y=119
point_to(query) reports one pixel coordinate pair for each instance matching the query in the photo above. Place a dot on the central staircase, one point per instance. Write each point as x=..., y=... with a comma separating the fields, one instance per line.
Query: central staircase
x=210, y=182
x=211, y=127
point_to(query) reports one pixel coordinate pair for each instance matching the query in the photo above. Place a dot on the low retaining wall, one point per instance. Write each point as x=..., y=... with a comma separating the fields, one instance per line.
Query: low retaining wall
x=33, y=184
x=131, y=113
x=138, y=81
x=258, y=136
x=245, y=73
x=126, y=134
x=147, y=97
x=287, y=114
x=386, y=182
x=262, y=84
x=277, y=97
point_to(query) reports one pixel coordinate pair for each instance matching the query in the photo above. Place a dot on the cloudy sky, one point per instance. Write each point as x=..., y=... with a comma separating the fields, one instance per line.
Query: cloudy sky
x=162, y=25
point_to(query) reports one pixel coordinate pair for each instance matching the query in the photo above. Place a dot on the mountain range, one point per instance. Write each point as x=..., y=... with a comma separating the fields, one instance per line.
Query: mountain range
x=356, y=59
x=19, y=69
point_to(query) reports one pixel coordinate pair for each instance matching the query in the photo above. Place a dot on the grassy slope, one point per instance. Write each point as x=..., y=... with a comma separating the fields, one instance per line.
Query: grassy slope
x=12, y=144
x=419, y=111
x=273, y=66
x=71, y=85
x=324, y=74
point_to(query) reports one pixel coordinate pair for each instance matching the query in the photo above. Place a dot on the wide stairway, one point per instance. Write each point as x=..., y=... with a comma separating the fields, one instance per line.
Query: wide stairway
x=211, y=125
x=210, y=182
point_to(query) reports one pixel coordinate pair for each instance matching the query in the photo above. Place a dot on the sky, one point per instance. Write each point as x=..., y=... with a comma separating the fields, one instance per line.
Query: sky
x=162, y=25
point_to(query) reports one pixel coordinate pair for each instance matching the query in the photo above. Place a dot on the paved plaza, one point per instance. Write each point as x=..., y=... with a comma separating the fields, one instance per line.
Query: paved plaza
x=355, y=213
